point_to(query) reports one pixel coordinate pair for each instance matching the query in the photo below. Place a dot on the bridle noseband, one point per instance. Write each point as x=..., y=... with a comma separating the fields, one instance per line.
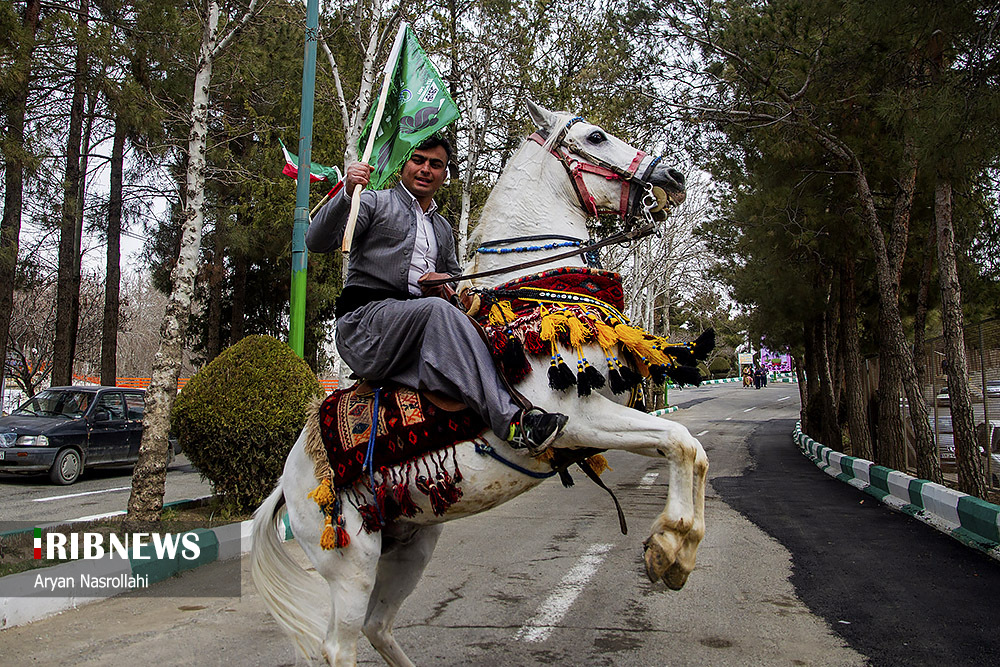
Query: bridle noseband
x=567, y=154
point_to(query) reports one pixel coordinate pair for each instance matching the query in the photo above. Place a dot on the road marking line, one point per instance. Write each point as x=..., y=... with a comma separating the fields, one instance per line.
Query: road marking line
x=648, y=479
x=701, y=434
x=728, y=418
x=749, y=409
x=784, y=399
x=540, y=626
x=77, y=495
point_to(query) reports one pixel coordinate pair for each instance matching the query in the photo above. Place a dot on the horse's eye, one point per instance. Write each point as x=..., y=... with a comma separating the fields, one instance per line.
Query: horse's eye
x=596, y=137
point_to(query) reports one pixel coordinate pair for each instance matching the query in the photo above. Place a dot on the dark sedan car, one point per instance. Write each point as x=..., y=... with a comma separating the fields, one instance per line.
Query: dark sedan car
x=63, y=430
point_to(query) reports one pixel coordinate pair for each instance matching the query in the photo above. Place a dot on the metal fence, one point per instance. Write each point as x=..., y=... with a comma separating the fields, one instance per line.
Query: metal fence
x=982, y=352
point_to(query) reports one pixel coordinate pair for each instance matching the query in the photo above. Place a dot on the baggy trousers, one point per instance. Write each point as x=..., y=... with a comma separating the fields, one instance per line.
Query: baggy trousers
x=426, y=344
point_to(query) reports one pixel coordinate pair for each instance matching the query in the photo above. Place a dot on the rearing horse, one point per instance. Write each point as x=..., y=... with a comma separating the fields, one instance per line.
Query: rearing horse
x=565, y=172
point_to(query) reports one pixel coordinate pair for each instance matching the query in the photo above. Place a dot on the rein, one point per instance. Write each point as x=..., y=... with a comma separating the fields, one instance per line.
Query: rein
x=618, y=237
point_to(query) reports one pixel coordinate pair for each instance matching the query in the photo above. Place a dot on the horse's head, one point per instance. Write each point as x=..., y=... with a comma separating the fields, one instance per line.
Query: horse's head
x=609, y=175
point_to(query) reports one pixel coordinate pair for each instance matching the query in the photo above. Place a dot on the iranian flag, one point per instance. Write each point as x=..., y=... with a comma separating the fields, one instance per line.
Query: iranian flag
x=317, y=172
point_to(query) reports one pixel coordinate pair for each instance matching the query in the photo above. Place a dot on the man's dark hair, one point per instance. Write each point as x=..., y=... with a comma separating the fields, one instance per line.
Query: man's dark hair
x=434, y=141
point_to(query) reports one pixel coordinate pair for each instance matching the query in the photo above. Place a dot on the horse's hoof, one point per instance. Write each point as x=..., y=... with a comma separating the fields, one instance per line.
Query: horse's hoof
x=658, y=561
x=675, y=578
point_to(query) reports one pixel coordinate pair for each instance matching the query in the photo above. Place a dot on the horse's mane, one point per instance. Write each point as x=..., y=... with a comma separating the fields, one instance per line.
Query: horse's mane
x=562, y=117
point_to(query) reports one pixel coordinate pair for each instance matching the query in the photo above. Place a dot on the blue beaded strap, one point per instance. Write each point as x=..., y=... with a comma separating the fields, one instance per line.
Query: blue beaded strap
x=529, y=248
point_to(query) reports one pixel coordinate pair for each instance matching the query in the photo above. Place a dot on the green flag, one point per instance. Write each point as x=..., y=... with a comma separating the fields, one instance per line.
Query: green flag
x=417, y=106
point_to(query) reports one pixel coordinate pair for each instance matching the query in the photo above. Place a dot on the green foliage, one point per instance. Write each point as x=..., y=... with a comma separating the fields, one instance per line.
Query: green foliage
x=720, y=367
x=239, y=416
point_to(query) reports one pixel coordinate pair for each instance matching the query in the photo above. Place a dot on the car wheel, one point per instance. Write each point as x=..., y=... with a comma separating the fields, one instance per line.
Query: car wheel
x=67, y=467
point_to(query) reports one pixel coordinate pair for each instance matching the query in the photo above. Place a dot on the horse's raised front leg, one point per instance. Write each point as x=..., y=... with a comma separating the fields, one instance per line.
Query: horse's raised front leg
x=406, y=550
x=672, y=547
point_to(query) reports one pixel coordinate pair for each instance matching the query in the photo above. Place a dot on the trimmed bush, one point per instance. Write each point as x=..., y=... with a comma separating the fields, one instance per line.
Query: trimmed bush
x=239, y=415
x=719, y=368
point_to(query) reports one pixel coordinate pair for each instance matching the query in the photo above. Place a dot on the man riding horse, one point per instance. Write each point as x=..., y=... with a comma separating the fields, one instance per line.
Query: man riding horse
x=387, y=327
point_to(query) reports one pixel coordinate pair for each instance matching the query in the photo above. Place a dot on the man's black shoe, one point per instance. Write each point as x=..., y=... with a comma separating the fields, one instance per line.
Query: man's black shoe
x=535, y=430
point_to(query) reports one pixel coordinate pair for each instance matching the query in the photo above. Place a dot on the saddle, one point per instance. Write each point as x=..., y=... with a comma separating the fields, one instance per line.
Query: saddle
x=371, y=457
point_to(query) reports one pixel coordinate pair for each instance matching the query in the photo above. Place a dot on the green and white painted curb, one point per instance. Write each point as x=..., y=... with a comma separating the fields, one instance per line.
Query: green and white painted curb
x=20, y=606
x=970, y=520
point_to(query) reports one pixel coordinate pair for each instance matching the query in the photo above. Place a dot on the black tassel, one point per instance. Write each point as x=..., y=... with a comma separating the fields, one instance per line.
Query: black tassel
x=704, y=345
x=630, y=377
x=555, y=380
x=594, y=376
x=582, y=381
x=618, y=384
x=568, y=377
x=657, y=373
x=682, y=354
x=685, y=375
x=560, y=376
x=514, y=361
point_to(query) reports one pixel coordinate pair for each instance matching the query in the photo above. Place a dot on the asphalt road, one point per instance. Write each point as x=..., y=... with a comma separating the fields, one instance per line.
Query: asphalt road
x=32, y=498
x=796, y=568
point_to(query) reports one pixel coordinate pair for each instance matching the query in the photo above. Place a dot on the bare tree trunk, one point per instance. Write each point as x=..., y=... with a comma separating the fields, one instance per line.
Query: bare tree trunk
x=857, y=419
x=13, y=200
x=813, y=424
x=112, y=281
x=69, y=243
x=800, y=376
x=971, y=478
x=896, y=361
x=149, y=476
x=920, y=318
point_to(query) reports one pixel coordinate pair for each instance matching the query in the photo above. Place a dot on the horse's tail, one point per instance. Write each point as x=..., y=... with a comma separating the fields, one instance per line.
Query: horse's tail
x=291, y=595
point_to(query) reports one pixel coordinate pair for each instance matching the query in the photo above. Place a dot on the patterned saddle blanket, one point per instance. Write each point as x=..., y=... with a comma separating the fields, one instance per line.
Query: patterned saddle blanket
x=408, y=426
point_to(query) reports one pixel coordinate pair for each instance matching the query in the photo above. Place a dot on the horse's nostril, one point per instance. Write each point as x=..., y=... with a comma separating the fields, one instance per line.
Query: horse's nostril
x=676, y=175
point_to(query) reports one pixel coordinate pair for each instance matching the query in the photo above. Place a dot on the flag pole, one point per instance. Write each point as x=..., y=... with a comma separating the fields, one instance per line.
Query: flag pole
x=390, y=65
x=300, y=256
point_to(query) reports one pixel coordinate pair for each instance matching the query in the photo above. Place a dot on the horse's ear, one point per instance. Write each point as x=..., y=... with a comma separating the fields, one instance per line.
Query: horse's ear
x=542, y=117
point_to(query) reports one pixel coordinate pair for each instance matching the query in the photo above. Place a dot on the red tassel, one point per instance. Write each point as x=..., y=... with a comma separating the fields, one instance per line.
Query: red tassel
x=369, y=518
x=533, y=342
x=438, y=504
x=401, y=493
x=343, y=539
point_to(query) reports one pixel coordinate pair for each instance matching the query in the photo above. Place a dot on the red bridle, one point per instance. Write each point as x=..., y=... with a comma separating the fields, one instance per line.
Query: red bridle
x=576, y=168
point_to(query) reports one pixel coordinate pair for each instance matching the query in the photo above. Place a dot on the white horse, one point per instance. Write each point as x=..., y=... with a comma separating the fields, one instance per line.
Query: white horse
x=368, y=580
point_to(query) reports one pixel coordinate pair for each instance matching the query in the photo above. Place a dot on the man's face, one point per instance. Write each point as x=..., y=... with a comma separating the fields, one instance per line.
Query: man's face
x=425, y=171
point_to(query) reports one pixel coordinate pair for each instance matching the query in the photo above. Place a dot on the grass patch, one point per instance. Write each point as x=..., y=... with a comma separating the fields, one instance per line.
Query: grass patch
x=17, y=550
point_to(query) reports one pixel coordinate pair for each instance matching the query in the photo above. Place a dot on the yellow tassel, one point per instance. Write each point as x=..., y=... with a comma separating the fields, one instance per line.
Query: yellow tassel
x=578, y=333
x=634, y=339
x=559, y=320
x=598, y=464
x=323, y=494
x=547, y=331
x=328, y=540
x=605, y=335
x=501, y=313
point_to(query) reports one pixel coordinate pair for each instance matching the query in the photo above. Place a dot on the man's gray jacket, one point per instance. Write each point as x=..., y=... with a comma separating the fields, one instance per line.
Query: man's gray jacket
x=384, y=238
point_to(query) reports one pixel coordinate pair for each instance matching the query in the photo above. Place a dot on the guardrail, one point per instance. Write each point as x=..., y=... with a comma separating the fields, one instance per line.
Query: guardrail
x=970, y=520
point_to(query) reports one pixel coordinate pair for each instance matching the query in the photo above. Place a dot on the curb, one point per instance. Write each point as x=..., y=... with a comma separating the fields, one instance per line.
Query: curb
x=970, y=520
x=222, y=543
